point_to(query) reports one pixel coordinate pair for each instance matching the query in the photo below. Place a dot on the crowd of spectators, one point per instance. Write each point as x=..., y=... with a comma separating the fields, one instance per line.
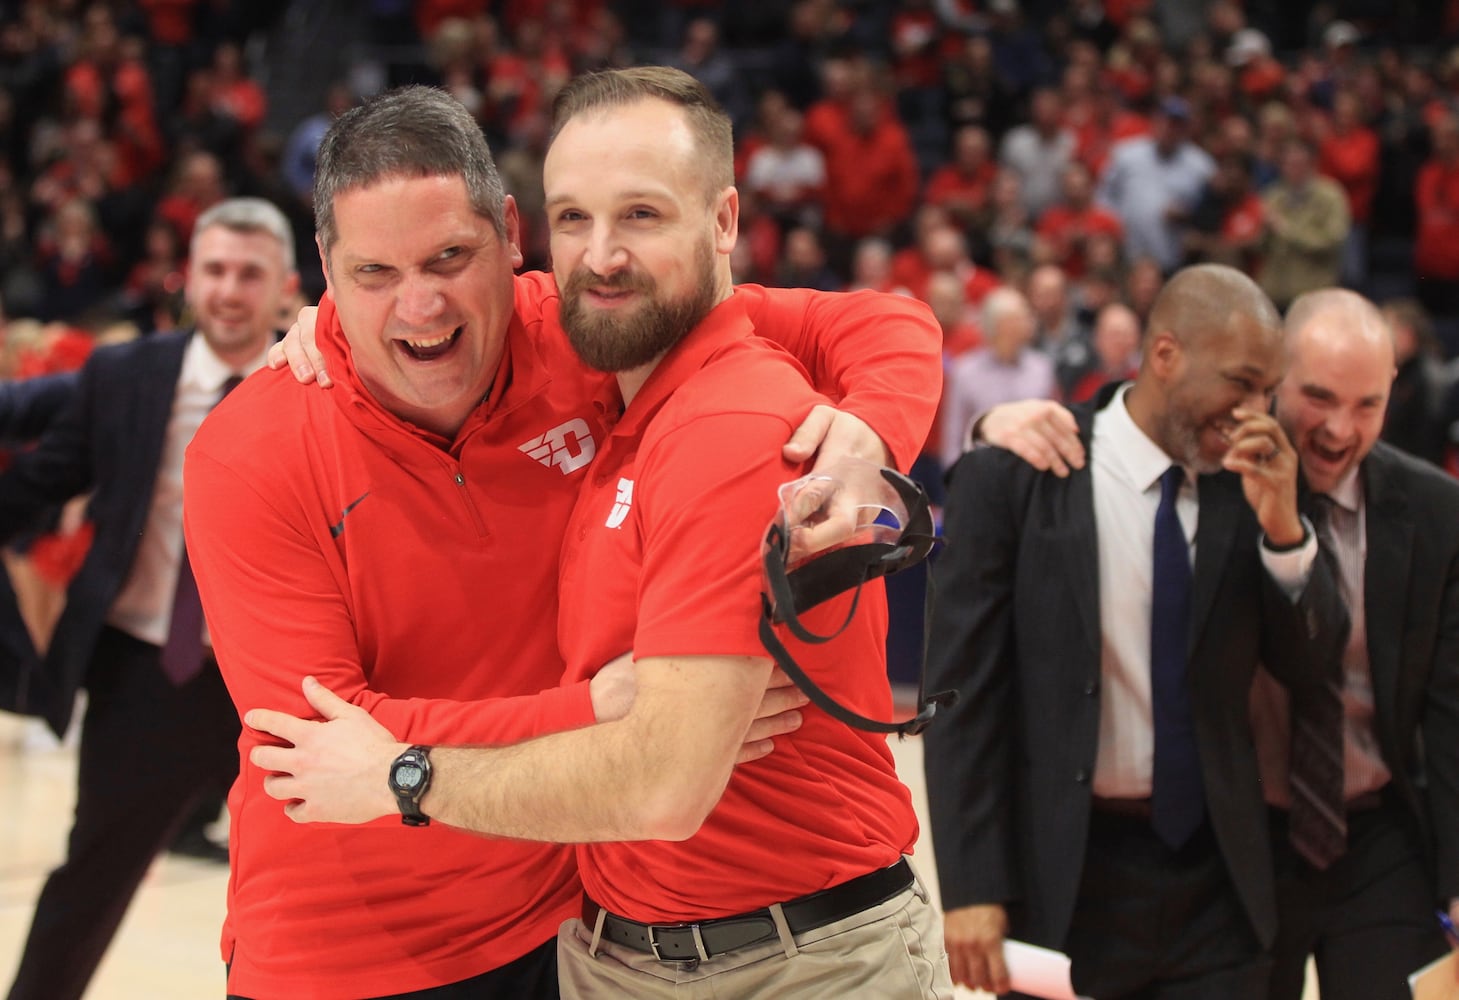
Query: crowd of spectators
x=1071, y=152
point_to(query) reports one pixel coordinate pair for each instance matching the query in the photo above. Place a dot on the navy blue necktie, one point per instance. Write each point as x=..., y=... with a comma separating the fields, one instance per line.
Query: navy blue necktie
x=1177, y=793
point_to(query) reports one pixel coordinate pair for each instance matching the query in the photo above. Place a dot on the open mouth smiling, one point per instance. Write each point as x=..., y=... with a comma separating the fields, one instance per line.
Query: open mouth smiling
x=431, y=348
x=1332, y=456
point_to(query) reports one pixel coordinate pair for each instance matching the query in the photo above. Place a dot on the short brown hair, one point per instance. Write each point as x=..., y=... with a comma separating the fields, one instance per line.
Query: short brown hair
x=616, y=88
x=411, y=131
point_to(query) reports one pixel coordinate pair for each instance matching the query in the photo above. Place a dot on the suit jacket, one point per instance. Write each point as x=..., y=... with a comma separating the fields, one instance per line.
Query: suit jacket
x=1411, y=599
x=26, y=409
x=28, y=405
x=1016, y=629
x=108, y=439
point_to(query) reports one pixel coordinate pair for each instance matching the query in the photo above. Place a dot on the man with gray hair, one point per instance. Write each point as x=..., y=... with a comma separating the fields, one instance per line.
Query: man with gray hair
x=410, y=521
x=1007, y=367
x=159, y=730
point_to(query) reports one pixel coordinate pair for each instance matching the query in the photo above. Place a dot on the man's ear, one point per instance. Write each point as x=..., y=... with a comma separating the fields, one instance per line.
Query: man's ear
x=1163, y=353
x=512, y=222
x=726, y=219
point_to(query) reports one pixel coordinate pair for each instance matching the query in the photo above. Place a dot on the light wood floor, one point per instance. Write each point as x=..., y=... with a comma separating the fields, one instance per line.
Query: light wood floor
x=168, y=946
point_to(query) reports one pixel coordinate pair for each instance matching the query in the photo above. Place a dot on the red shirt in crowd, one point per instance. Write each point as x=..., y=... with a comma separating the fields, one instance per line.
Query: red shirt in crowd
x=417, y=577
x=871, y=179
x=170, y=22
x=1244, y=220
x=430, y=13
x=1436, y=245
x=1261, y=78
x=699, y=446
x=1351, y=159
x=1094, y=139
x=1066, y=228
x=958, y=192
x=910, y=271
x=1090, y=383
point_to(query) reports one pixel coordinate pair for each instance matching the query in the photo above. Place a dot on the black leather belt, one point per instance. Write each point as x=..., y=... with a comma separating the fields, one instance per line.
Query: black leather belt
x=701, y=941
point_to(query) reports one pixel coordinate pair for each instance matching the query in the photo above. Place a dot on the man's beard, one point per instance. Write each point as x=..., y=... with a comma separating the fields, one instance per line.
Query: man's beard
x=611, y=343
x=1182, y=433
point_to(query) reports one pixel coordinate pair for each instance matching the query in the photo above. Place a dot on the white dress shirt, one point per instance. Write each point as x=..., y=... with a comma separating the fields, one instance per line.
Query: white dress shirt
x=143, y=609
x=1127, y=466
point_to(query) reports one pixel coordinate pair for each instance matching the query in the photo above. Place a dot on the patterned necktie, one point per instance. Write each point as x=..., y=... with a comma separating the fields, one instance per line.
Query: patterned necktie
x=1177, y=793
x=182, y=655
x=1317, y=827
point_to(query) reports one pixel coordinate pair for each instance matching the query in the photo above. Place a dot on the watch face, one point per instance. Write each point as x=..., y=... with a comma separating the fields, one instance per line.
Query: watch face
x=407, y=776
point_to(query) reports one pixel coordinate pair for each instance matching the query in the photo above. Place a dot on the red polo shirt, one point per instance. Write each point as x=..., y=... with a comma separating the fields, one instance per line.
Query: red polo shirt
x=661, y=558
x=408, y=574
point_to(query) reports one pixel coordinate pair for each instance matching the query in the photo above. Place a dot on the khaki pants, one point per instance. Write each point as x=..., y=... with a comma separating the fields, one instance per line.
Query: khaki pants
x=892, y=951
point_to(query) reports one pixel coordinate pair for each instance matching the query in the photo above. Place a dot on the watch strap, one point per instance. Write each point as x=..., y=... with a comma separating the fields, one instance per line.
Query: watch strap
x=407, y=797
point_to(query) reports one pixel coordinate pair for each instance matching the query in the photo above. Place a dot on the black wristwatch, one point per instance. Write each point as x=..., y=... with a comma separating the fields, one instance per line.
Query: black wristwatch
x=410, y=776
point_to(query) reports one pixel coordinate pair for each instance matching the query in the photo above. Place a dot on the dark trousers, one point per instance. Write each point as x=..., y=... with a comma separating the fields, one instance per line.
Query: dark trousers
x=1368, y=920
x=1155, y=924
x=148, y=750
x=531, y=977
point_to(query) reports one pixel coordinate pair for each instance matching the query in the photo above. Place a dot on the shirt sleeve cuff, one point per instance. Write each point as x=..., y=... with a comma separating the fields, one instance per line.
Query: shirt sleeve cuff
x=1291, y=568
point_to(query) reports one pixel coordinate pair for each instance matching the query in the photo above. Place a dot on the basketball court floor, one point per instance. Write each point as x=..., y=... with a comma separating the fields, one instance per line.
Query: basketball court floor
x=168, y=946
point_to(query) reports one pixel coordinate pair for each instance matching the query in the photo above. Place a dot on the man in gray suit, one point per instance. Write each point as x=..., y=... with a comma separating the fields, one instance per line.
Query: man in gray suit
x=1095, y=789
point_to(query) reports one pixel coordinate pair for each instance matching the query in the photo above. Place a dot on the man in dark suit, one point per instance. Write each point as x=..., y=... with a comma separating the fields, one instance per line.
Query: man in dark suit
x=159, y=730
x=26, y=408
x=1095, y=789
x=27, y=405
x=1367, y=915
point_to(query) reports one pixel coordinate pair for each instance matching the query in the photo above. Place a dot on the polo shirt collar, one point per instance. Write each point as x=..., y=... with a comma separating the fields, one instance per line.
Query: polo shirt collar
x=726, y=324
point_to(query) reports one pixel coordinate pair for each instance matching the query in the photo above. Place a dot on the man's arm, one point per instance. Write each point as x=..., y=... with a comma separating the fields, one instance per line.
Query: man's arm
x=659, y=771
x=1039, y=431
x=1303, y=618
x=878, y=356
x=968, y=753
x=653, y=775
x=27, y=406
x=58, y=468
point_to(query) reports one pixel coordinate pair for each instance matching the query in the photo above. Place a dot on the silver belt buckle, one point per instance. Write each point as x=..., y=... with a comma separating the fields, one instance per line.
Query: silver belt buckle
x=653, y=944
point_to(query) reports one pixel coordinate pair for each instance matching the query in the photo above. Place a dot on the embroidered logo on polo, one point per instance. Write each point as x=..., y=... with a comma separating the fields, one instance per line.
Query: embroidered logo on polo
x=568, y=446
x=337, y=529
x=622, y=503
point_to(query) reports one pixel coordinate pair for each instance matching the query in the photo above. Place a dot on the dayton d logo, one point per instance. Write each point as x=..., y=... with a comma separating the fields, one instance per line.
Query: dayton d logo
x=568, y=446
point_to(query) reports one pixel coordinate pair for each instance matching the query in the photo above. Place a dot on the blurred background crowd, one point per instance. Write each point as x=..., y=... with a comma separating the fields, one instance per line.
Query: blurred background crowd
x=1032, y=169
